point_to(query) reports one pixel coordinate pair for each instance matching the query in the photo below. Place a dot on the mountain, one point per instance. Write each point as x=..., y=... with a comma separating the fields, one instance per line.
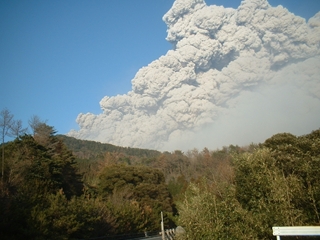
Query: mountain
x=91, y=149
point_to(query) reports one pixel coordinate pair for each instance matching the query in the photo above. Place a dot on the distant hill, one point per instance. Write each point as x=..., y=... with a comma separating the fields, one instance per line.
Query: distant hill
x=91, y=149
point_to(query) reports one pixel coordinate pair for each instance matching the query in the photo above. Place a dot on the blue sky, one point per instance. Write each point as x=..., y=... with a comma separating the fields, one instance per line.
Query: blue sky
x=60, y=58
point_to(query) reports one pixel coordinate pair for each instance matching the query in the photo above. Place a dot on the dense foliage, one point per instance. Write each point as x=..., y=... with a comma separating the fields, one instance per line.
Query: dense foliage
x=81, y=190
x=43, y=195
x=275, y=184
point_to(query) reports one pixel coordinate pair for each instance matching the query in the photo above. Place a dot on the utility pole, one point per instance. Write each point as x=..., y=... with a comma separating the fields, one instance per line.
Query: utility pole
x=162, y=227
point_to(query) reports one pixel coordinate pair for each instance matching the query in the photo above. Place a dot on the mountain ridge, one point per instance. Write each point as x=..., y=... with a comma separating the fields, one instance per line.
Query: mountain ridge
x=91, y=149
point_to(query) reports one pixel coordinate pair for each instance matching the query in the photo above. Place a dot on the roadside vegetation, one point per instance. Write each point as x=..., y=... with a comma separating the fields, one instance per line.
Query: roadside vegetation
x=57, y=187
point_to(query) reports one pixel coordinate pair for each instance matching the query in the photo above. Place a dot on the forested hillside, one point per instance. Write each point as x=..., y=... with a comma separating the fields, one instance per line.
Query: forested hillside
x=91, y=149
x=55, y=187
x=45, y=196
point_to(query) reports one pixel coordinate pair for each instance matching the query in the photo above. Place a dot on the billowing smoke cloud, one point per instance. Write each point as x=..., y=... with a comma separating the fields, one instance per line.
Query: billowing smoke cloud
x=234, y=76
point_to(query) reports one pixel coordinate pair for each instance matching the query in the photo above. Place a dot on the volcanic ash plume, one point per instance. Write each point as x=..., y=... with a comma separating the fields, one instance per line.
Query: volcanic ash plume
x=234, y=76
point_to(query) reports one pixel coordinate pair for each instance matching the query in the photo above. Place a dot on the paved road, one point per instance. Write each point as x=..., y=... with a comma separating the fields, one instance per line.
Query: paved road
x=149, y=238
x=153, y=237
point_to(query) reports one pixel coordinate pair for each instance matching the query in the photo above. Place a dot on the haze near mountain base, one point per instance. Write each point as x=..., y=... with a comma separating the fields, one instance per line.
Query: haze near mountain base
x=234, y=76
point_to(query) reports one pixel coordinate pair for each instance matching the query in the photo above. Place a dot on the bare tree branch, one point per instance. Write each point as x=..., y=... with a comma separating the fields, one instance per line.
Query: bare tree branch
x=34, y=123
x=17, y=129
x=6, y=119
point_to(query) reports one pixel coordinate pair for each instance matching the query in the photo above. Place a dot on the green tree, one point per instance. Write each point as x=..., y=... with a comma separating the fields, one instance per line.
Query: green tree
x=300, y=157
x=33, y=172
x=214, y=213
x=56, y=217
x=50, y=168
x=264, y=191
x=138, y=186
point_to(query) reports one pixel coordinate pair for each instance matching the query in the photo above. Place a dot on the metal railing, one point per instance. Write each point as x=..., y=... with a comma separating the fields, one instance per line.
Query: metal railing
x=296, y=231
x=168, y=234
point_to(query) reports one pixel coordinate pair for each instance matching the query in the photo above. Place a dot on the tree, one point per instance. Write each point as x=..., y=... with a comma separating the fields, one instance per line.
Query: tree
x=58, y=217
x=300, y=157
x=17, y=129
x=263, y=189
x=212, y=212
x=34, y=122
x=44, y=134
x=138, y=186
x=32, y=173
x=6, y=119
x=42, y=164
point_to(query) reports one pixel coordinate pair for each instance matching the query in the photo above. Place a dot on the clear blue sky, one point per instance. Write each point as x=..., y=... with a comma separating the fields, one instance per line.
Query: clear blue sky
x=60, y=58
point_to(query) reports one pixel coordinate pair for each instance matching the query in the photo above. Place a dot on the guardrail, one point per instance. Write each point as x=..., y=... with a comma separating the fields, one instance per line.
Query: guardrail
x=168, y=234
x=296, y=231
